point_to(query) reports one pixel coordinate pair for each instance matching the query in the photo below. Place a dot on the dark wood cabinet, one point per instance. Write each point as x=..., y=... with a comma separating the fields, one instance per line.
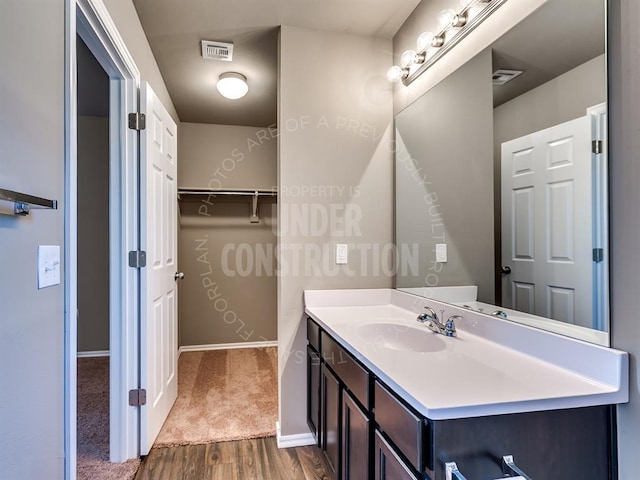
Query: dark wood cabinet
x=388, y=465
x=330, y=421
x=551, y=445
x=356, y=428
x=313, y=392
x=367, y=431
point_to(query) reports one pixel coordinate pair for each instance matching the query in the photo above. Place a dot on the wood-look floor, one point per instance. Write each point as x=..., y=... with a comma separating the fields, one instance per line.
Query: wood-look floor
x=258, y=459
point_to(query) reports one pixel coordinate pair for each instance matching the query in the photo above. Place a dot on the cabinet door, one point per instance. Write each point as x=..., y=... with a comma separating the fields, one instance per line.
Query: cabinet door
x=355, y=440
x=330, y=421
x=313, y=392
x=388, y=466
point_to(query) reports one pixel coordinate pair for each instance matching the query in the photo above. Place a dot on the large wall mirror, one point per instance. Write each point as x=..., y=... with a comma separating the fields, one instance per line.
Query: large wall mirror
x=501, y=178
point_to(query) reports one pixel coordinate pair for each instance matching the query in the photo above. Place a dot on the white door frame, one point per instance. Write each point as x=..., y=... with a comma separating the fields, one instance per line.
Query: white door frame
x=90, y=19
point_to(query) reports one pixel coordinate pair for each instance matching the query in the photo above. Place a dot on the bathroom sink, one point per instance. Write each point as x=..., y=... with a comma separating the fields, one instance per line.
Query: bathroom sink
x=394, y=336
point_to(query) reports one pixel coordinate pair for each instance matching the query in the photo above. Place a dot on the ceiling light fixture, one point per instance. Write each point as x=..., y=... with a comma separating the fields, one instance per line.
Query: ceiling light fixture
x=232, y=85
x=452, y=27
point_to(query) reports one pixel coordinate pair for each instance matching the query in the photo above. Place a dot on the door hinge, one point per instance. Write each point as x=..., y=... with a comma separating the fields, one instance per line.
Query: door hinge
x=596, y=146
x=137, y=259
x=598, y=255
x=137, y=121
x=137, y=397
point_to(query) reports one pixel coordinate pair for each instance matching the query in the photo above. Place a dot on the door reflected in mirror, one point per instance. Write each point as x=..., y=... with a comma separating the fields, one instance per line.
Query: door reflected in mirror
x=501, y=178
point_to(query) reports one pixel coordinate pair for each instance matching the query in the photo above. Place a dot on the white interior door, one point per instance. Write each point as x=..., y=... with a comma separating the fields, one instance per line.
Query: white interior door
x=547, y=223
x=158, y=333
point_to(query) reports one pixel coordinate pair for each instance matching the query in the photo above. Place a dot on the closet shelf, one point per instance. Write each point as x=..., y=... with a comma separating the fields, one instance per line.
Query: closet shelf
x=23, y=202
x=194, y=194
x=197, y=192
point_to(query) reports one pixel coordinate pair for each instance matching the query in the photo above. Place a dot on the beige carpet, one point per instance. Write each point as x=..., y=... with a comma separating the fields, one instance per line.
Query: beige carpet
x=93, y=425
x=223, y=395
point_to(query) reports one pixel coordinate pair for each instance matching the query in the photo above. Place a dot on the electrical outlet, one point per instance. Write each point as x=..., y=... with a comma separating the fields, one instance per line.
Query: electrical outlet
x=441, y=252
x=342, y=253
x=48, y=265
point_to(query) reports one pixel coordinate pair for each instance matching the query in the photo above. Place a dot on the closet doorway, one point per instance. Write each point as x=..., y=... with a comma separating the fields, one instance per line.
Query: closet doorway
x=94, y=254
x=101, y=178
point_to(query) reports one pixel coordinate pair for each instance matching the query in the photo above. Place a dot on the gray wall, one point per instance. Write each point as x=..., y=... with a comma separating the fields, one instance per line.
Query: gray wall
x=31, y=161
x=226, y=156
x=230, y=289
x=444, y=180
x=559, y=100
x=624, y=137
x=335, y=122
x=93, y=233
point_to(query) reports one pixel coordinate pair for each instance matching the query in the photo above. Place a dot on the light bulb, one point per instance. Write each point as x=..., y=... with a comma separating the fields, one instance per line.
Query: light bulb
x=395, y=74
x=445, y=17
x=425, y=39
x=232, y=85
x=407, y=58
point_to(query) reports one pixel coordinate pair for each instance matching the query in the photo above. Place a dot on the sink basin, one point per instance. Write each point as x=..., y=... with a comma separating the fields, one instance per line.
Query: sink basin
x=393, y=336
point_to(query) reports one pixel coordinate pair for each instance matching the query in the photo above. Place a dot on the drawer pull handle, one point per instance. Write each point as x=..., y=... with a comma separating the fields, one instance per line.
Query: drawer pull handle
x=510, y=468
x=452, y=472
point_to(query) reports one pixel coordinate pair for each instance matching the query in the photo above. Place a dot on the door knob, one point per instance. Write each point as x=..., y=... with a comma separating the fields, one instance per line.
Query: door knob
x=506, y=270
x=179, y=276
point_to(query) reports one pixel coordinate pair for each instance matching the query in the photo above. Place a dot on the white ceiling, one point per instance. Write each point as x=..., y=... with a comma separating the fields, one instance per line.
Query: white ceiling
x=176, y=27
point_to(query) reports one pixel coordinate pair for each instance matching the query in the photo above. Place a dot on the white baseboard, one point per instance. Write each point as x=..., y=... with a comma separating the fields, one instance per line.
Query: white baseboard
x=96, y=353
x=297, y=440
x=226, y=346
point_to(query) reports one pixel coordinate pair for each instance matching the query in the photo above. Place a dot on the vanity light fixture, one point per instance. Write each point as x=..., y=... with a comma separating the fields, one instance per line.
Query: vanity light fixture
x=232, y=85
x=452, y=27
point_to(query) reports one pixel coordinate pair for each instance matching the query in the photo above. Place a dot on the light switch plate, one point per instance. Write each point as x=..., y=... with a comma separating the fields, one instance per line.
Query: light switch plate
x=342, y=253
x=441, y=252
x=48, y=265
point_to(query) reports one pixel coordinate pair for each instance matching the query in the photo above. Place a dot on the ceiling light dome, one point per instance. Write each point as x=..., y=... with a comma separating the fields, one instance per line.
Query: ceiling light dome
x=232, y=85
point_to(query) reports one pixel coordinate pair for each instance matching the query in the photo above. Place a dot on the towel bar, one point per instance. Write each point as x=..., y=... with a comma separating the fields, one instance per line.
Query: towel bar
x=23, y=202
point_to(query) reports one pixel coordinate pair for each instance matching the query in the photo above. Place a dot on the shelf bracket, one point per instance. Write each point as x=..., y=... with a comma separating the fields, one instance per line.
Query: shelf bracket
x=254, y=211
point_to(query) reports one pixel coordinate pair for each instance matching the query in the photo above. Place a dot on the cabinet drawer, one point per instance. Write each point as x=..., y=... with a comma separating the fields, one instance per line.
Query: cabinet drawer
x=352, y=374
x=313, y=334
x=388, y=466
x=405, y=429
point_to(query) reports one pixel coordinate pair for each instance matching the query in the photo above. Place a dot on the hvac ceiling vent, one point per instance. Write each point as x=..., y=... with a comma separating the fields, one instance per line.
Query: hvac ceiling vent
x=217, y=50
x=500, y=77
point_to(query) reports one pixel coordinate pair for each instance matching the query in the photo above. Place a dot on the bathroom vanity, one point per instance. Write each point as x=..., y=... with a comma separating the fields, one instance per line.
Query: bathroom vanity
x=389, y=399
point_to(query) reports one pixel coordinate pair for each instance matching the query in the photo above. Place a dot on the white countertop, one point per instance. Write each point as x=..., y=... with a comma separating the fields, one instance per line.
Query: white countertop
x=492, y=367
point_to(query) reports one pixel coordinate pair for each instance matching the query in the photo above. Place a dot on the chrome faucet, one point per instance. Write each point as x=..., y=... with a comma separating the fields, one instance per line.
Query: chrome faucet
x=430, y=318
